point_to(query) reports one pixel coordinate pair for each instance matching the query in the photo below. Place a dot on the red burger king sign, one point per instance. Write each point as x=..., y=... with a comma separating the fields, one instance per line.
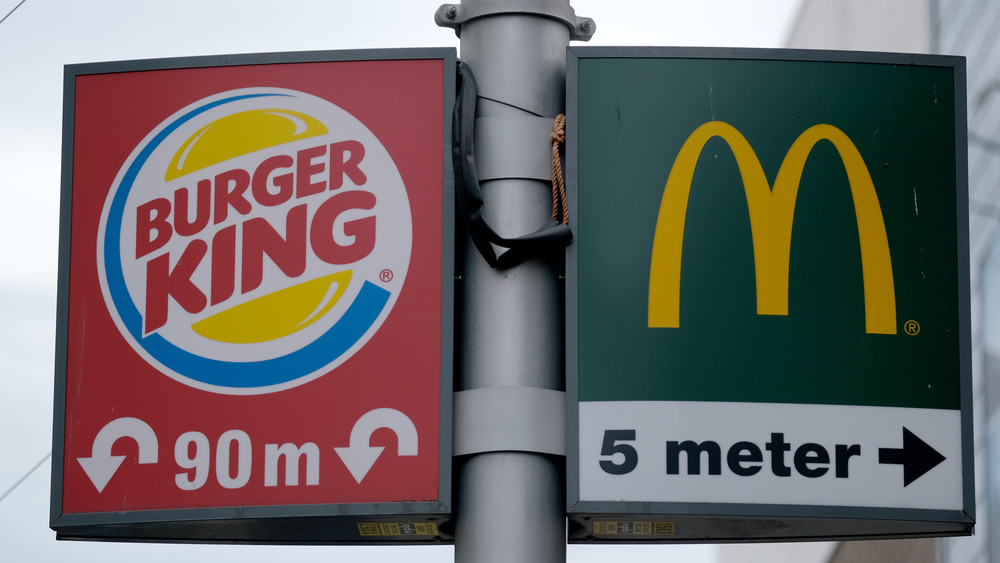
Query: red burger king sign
x=256, y=298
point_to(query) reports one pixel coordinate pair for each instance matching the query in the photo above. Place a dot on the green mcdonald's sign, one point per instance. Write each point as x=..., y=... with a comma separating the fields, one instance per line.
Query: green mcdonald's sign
x=767, y=295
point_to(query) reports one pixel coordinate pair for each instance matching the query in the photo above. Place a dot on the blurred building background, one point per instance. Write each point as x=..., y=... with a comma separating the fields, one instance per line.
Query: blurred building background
x=951, y=27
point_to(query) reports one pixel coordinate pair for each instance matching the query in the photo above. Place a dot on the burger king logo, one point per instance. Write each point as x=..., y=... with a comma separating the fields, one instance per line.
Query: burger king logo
x=254, y=241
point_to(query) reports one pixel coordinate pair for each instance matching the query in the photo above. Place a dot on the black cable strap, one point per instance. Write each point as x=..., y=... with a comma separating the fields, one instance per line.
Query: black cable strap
x=553, y=234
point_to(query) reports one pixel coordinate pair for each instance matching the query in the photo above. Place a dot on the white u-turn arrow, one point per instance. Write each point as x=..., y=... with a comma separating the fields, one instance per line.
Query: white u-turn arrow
x=360, y=455
x=101, y=465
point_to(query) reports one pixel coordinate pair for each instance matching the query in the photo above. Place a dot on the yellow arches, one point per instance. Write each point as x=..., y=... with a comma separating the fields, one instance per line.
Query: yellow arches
x=771, y=214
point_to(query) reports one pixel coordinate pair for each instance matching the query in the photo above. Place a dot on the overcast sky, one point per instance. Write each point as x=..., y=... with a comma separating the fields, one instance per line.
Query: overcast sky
x=40, y=36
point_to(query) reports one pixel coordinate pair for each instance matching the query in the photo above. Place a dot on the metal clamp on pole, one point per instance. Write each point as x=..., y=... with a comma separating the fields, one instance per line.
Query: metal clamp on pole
x=510, y=419
x=454, y=15
x=513, y=146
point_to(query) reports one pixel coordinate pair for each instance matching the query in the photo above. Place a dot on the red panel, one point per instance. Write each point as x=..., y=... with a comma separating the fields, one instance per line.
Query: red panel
x=398, y=368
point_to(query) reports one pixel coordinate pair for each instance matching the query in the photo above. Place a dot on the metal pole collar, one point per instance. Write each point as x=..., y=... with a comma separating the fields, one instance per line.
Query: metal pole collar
x=454, y=15
x=510, y=419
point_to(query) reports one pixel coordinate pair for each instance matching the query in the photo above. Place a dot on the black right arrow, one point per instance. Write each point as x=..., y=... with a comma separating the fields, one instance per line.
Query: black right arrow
x=915, y=456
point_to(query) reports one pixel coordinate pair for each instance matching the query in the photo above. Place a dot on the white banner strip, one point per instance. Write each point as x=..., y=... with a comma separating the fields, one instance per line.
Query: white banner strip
x=825, y=455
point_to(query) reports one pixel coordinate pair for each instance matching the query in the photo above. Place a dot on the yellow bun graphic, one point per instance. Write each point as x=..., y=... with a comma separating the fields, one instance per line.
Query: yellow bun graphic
x=288, y=310
x=241, y=133
x=276, y=314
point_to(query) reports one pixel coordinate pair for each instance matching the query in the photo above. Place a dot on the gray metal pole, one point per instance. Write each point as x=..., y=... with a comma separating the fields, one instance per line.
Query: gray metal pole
x=510, y=505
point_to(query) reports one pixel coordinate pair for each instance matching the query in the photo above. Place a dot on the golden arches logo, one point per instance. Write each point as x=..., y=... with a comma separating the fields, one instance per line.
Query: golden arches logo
x=771, y=214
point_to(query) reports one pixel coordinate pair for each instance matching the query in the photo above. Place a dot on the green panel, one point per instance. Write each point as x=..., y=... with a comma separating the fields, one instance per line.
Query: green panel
x=634, y=115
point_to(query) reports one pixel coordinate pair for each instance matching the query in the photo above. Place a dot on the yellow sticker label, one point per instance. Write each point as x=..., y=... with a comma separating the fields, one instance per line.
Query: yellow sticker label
x=633, y=528
x=369, y=529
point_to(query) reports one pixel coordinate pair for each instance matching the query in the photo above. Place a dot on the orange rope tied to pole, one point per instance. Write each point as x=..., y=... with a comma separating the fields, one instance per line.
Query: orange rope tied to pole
x=559, y=202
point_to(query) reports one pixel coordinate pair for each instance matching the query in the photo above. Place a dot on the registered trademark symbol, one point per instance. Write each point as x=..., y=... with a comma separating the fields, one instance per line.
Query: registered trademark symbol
x=385, y=275
x=911, y=327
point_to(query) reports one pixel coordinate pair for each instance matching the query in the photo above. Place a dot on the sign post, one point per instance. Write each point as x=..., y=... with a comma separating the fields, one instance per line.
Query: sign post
x=768, y=296
x=255, y=299
x=509, y=491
